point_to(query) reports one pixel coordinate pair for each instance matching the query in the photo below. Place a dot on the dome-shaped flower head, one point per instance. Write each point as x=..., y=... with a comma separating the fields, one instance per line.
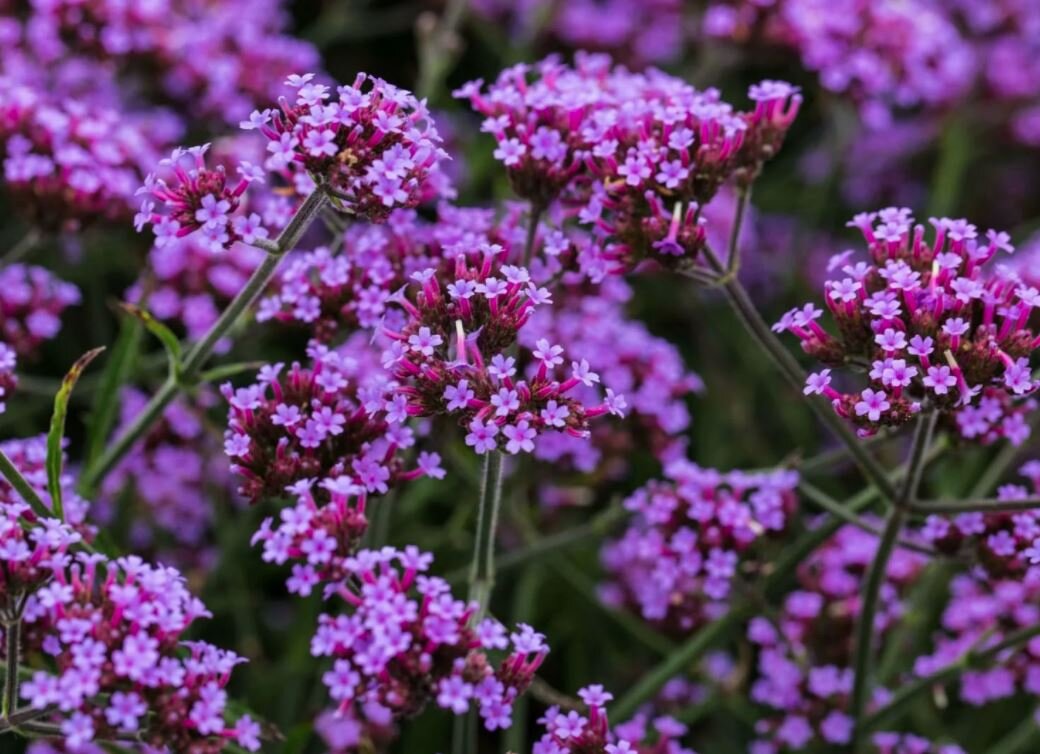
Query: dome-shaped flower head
x=589, y=731
x=109, y=637
x=982, y=612
x=373, y=144
x=197, y=200
x=689, y=536
x=32, y=301
x=931, y=323
x=804, y=669
x=452, y=357
x=317, y=422
x=404, y=642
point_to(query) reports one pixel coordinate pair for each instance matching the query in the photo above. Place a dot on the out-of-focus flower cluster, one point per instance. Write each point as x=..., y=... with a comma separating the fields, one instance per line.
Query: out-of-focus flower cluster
x=931, y=324
x=29, y=457
x=406, y=642
x=804, y=662
x=683, y=550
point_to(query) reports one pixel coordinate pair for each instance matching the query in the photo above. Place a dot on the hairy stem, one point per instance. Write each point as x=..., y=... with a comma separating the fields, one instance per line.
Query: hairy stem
x=200, y=352
x=482, y=570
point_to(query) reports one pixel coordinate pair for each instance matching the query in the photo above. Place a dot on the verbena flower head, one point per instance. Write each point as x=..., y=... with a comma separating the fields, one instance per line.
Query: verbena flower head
x=452, y=356
x=69, y=163
x=316, y=423
x=199, y=199
x=929, y=322
x=373, y=143
x=113, y=630
x=32, y=301
x=689, y=538
x=589, y=731
x=981, y=612
x=405, y=642
x=31, y=549
x=804, y=663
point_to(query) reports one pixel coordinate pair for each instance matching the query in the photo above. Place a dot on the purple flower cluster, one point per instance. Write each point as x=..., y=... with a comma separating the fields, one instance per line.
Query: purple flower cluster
x=590, y=733
x=678, y=559
x=8, y=380
x=405, y=642
x=168, y=478
x=317, y=423
x=648, y=370
x=201, y=199
x=452, y=356
x=113, y=629
x=374, y=145
x=31, y=549
x=321, y=536
x=929, y=323
x=68, y=163
x=635, y=154
x=981, y=612
x=32, y=301
x=804, y=662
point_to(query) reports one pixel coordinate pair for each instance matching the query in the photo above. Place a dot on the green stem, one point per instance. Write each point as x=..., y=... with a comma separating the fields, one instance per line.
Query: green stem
x=439, y=47
x=871, y=593
x=733, y=252
x=198, y=355
x=23, y=247
x=22, y=487
x=482, y=570
x=13, y=637
x=532, y=232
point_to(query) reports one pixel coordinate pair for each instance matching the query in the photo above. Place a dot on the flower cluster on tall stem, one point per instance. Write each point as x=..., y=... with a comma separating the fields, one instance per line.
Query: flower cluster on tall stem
x=927, y=322
x=405, y=642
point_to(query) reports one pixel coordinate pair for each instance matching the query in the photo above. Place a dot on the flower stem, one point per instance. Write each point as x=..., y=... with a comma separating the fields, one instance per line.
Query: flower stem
x=871, y=593
x=482, y=570
x=200, y=352
x=985, y=505
x=532, y=231
x=733, y=252
x=13, y=638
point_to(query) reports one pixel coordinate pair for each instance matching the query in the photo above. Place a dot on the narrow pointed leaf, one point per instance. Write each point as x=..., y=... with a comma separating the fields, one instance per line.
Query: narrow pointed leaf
x=165, y=335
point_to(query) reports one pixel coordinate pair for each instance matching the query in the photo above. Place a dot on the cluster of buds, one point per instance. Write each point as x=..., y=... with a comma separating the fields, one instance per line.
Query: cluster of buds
x=112, y=631
x=68, y=163
x=647, y=369
x=318, y=422
x=451, y=357
x=590, y=733
x=405, y=642
x=804, y=662
x=374, y=146
x=678, y=559
x=200, y=200
x=930, y=323
x=638, y=153
x=32, y=300
x=1005, y=543
x=168, y=478
x=982, y=612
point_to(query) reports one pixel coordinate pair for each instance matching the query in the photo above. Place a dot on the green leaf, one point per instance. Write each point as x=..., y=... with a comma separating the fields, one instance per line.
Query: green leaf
x=117, y=372
x=57, y=430
x=165, y=335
